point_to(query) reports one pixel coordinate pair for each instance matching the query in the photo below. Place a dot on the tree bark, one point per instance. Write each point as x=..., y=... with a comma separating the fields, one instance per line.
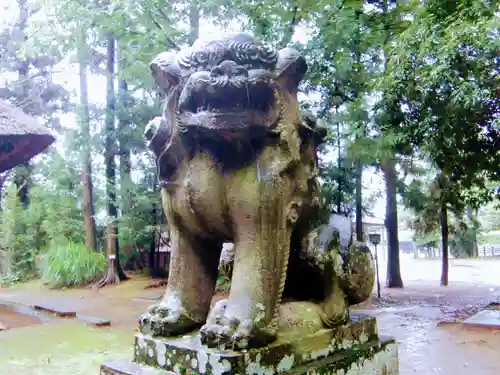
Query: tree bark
x=388, y=165
x=472, y=216
x=359, y=164
x=115, y=272
x=443, y=218
x=88, y=189
x=194, y=21
x=22, y=181
x=394, y=279
x=290, y=29
x=125, y=153
x=22, y=172
x=339, y=167
x=359, y=202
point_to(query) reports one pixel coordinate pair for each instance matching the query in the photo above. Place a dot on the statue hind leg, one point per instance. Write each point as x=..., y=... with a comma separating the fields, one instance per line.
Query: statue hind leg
x=346, y=270
x=191, y=283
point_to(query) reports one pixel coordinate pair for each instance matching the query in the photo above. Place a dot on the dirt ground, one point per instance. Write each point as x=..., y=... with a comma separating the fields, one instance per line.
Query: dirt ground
x=423, y=317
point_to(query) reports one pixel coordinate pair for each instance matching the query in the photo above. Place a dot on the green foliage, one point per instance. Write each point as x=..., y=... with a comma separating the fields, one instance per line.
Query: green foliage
x=72, y=264
x=53, y=216
x=136, y=228
x=444, y=72
x=462, y=243
x=430, y=239
x=433, y=99
x=491, y=238
x=20, y=236
x=223, y=285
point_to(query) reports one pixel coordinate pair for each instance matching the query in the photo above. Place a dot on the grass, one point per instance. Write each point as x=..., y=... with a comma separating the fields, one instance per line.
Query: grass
x=69, y=347
x=71, y=264
x=62, y=348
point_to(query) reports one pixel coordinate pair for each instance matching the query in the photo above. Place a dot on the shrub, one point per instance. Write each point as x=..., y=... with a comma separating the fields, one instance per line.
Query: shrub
x=18, y=239
x=72, y=264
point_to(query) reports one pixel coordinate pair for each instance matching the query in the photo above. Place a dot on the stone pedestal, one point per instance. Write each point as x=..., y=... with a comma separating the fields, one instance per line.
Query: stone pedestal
x=352, y=349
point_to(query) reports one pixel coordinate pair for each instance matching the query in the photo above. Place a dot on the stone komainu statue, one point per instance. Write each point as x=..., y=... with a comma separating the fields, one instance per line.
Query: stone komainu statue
x=237, y=163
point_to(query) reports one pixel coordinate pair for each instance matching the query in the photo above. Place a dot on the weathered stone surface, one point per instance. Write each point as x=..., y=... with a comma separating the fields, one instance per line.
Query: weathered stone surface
x=378, y=359
x=287, y=353
x=238, y=162
x=484, y=319
x=94, y=321
x=125, y=367
x=374, y=357
x=60, y=311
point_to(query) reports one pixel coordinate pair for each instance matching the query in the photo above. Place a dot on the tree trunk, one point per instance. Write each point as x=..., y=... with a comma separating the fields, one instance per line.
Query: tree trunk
x=153, y=245
x=359, y=164
x=125, y=154
x=22, y=181
x=359, y=201
x=472, y=216
x=115, y=272
x=339, y=167
x=194, y=21
x=443, y=218
x=388, y=165
x=394, y=279
x=88, y=189
x=290, y=29
x=22, y=172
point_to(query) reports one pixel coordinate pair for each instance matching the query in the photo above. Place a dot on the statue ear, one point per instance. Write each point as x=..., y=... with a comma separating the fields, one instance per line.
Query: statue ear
x=291, y=67
x=166, y=73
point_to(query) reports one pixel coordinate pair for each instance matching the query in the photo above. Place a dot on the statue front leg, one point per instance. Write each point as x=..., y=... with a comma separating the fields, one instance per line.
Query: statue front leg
x=191, y=283
x=262, y=241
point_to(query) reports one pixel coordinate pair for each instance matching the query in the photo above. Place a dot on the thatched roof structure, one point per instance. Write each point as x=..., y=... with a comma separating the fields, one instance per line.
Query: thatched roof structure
x=21, y=136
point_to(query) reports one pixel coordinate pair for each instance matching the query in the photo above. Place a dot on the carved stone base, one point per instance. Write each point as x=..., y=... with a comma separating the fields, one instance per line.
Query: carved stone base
x=352, y=349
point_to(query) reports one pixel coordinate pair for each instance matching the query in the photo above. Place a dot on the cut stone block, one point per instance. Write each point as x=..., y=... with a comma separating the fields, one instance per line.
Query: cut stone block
x=126, y=367
x=154, y=297
x=374, y=358
x=485, y=319
x=94, y=321
x=354, y=348
x=60, y=311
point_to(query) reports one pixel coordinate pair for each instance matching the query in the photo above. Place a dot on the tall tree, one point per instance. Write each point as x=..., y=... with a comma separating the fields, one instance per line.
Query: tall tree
x=125, y=134
x=388, y=118
x=84, y=115
x=115, y=273
x=32, y=89
x=443, y=70
x=22, y=175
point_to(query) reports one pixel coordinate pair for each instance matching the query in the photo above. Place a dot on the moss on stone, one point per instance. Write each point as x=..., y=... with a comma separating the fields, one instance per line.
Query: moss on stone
x=341, y=346
x=376, y=357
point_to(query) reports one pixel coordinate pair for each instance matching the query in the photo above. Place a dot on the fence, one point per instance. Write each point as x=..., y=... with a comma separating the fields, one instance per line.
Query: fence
x=489, y=250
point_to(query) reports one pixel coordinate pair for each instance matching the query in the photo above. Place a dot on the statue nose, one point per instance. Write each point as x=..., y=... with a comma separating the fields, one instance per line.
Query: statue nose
x=228, y=68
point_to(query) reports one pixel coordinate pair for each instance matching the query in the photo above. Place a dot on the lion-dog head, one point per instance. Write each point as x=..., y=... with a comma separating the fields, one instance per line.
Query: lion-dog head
x=230, y=95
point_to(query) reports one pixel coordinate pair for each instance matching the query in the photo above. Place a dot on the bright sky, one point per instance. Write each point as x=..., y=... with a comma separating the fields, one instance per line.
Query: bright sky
x=68, y=76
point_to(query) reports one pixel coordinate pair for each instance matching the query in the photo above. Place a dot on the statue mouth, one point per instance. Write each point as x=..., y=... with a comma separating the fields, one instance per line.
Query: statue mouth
x=245, y=97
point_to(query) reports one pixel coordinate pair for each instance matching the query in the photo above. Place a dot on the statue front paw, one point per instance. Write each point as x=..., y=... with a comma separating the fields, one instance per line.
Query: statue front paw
x=162, y=320
x=235, y=335
x=230, y=333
